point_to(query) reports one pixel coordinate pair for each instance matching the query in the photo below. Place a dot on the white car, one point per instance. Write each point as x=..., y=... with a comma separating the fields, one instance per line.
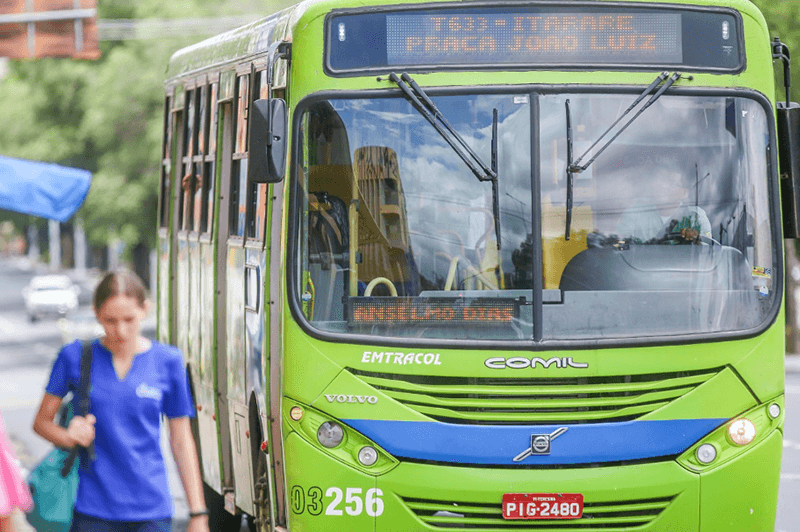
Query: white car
x=50, y=295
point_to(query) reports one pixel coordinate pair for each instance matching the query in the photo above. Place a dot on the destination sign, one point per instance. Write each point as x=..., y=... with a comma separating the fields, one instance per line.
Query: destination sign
x=538, y=36
x=652, y=38
x=429, y=310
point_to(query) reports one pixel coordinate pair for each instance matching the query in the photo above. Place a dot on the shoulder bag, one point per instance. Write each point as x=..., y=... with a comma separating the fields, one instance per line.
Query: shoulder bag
x=54, y=482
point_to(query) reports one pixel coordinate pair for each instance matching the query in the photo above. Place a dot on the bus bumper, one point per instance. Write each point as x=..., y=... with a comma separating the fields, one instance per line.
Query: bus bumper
x=741, y=495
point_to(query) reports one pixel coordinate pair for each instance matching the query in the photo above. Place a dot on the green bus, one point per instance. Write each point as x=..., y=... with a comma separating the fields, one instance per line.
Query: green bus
x=491, y=265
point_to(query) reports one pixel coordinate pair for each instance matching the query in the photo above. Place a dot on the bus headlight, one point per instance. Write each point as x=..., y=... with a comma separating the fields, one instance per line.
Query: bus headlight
x=774, y=410
x=336, y=439
x=742, y=431
x=330, y=434
x=734, y=437
x=367, y=456
x=706, y=453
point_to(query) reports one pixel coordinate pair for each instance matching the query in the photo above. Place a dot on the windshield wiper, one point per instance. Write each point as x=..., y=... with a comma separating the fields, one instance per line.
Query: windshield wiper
x=642, y=96
x=425, y=106
x=574, y=167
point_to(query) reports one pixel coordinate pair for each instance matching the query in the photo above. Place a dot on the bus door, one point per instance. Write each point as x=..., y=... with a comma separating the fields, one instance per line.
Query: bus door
x=248, y=365
x=244, y=267
x=257, y=335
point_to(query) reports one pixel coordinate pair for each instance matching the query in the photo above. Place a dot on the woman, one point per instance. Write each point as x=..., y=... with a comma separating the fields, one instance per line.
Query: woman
x=13, y=491
x=134, y=381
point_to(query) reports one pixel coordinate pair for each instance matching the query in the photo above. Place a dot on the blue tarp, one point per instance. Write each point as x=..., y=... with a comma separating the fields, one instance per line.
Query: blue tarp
x=42, y=189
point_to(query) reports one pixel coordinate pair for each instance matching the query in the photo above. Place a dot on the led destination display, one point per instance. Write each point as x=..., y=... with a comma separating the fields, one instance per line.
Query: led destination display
x=442, y=311
x=534, y=36
x=618, y=37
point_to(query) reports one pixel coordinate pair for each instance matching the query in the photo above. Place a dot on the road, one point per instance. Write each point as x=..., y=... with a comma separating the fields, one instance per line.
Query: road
x=789, y=494
x=27, y=351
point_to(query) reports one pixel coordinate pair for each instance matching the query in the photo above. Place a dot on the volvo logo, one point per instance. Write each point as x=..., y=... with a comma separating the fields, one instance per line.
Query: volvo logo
x=334, y=398
x=540, y=444
x=522, y=362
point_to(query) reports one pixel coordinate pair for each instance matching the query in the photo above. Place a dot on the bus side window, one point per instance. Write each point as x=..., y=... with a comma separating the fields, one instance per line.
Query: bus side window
x=199, y=203
x=190, y=145
x=238, y=197
x=257, y=192
x=208, y=161
x=166, y=165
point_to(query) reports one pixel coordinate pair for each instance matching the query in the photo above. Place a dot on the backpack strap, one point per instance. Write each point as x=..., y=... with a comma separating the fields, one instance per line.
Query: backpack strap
x=83, y=405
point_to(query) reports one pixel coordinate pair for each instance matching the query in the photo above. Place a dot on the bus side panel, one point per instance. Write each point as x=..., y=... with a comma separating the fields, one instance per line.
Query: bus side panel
x=221, y=237
x=209, y=446
x=237, y=371
x=742, y=495
x=275, y=353
x=194, y=297
x=182, y=296
x=255, y=279
x=164, y=274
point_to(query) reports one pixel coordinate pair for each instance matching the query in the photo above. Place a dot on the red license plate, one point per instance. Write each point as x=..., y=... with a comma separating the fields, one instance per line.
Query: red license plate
x=542, y=505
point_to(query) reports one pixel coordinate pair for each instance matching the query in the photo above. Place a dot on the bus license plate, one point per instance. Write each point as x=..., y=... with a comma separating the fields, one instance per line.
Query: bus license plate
x=542, y=505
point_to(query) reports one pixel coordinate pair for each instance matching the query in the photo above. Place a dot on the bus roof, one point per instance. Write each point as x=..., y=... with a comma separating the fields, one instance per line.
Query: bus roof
x=233, y=45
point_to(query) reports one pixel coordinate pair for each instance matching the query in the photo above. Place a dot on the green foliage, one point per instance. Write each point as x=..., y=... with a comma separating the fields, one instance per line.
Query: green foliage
x=105, y=116
x=782, y=17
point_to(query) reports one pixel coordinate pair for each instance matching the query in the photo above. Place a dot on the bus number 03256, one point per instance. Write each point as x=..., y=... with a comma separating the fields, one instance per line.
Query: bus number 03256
x=337, y=501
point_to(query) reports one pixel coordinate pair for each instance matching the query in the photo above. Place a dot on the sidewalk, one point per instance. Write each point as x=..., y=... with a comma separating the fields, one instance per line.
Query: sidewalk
x=793, y=364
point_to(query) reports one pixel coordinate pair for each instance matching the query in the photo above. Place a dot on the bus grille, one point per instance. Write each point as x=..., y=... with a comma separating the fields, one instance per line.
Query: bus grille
x=536, y=401
x=596, y=515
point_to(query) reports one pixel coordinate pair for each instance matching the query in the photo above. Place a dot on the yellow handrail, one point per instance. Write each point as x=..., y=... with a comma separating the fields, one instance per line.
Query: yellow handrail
x=380, y=280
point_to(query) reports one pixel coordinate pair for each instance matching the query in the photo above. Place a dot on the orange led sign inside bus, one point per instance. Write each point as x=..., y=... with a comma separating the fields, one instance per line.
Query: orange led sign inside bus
x=442, y=311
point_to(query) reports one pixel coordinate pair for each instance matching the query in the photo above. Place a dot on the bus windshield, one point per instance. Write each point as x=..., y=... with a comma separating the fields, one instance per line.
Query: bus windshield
x=670, y=230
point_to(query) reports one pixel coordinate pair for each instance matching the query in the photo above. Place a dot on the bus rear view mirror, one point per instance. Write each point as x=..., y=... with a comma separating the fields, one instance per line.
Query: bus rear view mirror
x=267, y=144
x=789, y=159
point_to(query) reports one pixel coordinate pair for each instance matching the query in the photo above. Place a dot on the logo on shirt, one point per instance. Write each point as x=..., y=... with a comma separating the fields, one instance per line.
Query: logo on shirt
x=148, y=392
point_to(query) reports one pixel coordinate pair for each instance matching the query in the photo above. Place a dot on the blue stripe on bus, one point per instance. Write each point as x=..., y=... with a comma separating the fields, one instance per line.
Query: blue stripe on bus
x=498, y=445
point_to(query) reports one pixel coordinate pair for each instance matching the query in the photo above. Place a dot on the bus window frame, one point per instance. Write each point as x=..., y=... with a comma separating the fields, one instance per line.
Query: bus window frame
x=203, y=160
x=186, y=184
x=198, y=168
x=165, y=179
x=257, y=193
x=210, y=163
x=295, y=211
x=239, y=187
x=382, y=70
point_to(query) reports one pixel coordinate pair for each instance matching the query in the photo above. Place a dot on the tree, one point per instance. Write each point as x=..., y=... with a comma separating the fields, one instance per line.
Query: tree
x=104, y=116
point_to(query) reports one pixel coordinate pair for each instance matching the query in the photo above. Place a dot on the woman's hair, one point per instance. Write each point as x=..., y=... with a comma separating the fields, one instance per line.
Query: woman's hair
x=118, y=283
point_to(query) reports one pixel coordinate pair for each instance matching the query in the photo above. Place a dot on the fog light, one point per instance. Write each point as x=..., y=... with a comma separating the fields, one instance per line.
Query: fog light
x=330, y=434
x=296, y=413
x=367, y=456
x=706, y=453
x=742, y=431
x=774, y=410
